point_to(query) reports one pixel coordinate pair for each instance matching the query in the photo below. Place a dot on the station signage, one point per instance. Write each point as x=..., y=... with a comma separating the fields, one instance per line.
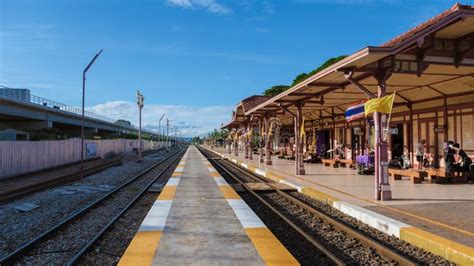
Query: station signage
x=439, y=129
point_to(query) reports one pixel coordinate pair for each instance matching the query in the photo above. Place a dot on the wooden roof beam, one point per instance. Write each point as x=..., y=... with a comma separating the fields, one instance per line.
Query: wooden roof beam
x=438, y=91
x=286, y=110
x=348, y=75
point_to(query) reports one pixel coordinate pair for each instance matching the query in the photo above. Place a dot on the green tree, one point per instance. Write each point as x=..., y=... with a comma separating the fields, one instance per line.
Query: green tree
x=275, y=90
x=324, y=65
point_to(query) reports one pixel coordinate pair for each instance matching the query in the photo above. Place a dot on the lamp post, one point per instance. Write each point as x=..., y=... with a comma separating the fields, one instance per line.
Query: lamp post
x=175, y=135
x=82, y=114
x=159, y=124
x=167, y=133
x=140, y=100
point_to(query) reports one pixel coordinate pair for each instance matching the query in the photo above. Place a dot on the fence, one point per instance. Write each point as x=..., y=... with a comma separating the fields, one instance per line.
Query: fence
x=17, y=157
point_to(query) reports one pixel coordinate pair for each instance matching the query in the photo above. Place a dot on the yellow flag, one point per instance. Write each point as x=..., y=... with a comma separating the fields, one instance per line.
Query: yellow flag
x=382, y=105
x=302, y=133
x=270, y=129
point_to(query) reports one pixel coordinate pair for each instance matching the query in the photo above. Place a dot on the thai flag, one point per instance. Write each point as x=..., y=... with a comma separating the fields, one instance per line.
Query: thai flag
x=355, y=111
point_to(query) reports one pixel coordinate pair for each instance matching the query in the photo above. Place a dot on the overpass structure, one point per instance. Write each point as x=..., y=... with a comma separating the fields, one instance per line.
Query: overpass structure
x=21, y=111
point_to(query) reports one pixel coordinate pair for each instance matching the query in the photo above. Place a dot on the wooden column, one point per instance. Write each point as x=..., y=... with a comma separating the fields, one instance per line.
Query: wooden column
x=236, y=144
x=249, y=140
x=262, y=139
x=246, y=146
x=268, y=143
x=299, y=165
x=410, y=136
x=382, y=185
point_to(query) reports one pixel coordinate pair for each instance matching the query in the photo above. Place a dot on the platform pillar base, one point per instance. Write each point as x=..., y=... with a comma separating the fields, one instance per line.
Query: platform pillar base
x=301, y=171
x=385, y=193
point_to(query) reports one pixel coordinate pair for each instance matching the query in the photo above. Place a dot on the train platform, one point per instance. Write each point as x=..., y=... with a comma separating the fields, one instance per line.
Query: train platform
x=199, y=219
x=435, y=217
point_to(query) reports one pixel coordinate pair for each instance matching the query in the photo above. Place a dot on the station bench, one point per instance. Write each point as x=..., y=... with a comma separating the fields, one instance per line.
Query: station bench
x=416, y=176
x=330, y=162
x=346, y=162
x=335, y=163
x=441, y=177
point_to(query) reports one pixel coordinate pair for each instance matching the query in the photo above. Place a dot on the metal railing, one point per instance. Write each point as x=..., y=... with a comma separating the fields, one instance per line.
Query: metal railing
x=60, y=106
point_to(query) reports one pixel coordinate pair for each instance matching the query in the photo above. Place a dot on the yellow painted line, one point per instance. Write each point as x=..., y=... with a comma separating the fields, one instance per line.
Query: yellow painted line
x=167, y=193
x=455, y=252
x=269, y=248
x=142, y=249
x=177, y=174
x=316, y=194
x=273, y=176
x=215, y=174
x=228, y=192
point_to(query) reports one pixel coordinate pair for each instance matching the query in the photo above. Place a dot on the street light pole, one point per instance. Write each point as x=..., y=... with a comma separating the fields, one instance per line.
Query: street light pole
x=175, y=135
x=159, y=124
x=83, y=103
x=140, y=103
x=167, y=133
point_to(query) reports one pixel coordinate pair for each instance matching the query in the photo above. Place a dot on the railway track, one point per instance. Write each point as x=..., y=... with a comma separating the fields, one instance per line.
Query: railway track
x=242, y=176
x=69, y=239
x=15, y=187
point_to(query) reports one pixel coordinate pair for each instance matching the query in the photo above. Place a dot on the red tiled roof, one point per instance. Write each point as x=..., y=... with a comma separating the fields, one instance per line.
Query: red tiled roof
x=426, y=24
x=252, y=101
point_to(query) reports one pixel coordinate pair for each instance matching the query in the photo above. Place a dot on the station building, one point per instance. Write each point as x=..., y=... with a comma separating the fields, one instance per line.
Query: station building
x=431, y=70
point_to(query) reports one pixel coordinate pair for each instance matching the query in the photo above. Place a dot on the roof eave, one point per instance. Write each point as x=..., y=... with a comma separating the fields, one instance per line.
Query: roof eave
x=333, y=68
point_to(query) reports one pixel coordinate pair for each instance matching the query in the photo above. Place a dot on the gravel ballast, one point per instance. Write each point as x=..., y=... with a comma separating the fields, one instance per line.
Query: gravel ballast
x=58, y=202
x=60, y=247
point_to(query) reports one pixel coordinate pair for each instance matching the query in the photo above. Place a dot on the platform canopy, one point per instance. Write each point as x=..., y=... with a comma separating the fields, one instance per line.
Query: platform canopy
x=238, y=116
x=430, y=64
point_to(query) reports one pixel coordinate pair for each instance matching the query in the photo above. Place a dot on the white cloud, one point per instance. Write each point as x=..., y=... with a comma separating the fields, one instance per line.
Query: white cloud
x=190, y=120
x=210, y=5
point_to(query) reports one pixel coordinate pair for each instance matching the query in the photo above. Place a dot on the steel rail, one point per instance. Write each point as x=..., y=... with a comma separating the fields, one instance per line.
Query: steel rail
x=317, y=244
x=97, y=236
x=8, y=259
x=368, y=241
x=14, y=193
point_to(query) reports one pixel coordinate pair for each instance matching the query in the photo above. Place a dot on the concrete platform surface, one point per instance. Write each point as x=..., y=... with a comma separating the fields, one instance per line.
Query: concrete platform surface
x=205, y=223
x=434, y=211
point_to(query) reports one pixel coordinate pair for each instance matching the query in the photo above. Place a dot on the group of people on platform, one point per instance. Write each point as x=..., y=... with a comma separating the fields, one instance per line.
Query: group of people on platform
x=455, y=158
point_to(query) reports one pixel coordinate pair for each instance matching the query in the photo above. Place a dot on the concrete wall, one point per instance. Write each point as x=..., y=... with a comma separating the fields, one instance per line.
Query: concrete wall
x=17, y=157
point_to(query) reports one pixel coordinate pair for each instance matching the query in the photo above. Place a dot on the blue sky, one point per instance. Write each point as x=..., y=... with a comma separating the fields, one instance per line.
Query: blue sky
x=193, y=59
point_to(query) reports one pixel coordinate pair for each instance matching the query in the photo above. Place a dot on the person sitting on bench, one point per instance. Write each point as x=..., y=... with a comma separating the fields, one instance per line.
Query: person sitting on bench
x=420, y=153
x=449, y=158
x=464, y=163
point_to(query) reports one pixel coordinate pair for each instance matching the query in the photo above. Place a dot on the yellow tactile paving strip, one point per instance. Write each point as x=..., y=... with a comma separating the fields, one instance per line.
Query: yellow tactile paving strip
x=168, y=193
x=141, y=249
x=273, y=253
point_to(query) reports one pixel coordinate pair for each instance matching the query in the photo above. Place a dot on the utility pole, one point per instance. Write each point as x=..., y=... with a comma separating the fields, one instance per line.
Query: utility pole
x=167, y=133
x=159, y=125
x=140, y=100
x=175, y=135
x=82, y=115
